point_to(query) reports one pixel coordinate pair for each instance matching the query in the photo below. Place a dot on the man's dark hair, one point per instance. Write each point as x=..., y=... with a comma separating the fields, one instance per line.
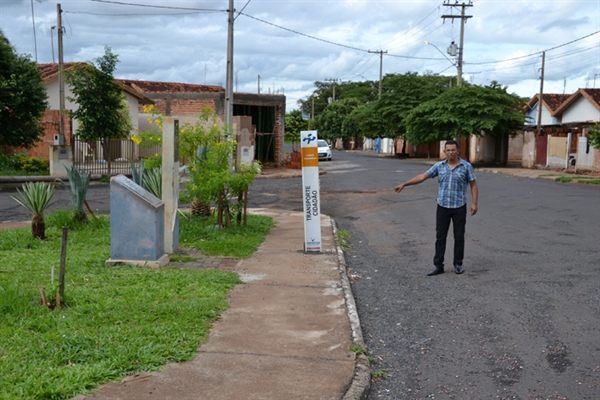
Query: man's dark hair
x=451, y=142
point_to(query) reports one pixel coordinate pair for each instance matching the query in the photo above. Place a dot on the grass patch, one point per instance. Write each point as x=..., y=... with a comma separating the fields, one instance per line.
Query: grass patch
x=116, y=321
x=589, y=181
x=579, y=179
x=379, y=374
x=182, y=257
x=358, y=349
x=235, y=241
x=343, y=237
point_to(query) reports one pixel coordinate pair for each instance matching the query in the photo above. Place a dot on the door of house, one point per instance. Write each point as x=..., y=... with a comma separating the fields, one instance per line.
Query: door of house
x=541, y=149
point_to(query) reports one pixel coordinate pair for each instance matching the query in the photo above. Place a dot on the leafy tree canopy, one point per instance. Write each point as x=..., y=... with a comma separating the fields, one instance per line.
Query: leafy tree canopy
x=23, y=98
x=294, y=124
x=103, y=113
x=403, y=92
x=464, y=111
x=330, y=122
x=595, y=136
x=100, y=99
x=365, y=92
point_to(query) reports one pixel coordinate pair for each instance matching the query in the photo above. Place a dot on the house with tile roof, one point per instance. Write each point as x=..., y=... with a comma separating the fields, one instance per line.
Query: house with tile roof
x=550, y=103
x=51, y=121
x=563, y=142
x=264, y=114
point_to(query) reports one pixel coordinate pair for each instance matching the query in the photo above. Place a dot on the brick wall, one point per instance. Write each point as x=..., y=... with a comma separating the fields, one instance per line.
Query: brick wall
x=182, y=106
x=279, y=118
x=50, y=123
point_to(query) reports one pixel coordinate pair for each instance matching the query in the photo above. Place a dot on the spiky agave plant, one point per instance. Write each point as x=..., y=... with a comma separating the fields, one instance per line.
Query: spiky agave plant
x=153, y=181
x=79, y=182
x=36, y=197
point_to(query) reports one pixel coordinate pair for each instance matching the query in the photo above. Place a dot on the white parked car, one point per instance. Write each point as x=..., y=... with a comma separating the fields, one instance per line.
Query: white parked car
x=324, y=150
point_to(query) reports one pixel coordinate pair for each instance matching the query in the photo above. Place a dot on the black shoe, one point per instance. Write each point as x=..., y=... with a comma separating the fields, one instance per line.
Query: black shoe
x=436, y=271
x=458, y=269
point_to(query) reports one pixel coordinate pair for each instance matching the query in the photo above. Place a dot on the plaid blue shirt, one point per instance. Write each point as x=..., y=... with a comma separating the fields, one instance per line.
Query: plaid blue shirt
x=452, y=182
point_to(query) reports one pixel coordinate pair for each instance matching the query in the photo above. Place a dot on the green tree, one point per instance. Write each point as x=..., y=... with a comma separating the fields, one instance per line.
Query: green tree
x=23, y=98
x=102, y=111
x=467, y=110
x=365, y=92
x=403, y=93
x=370, y=122
x=294, y=124
x=330, y=122
x=594, y=133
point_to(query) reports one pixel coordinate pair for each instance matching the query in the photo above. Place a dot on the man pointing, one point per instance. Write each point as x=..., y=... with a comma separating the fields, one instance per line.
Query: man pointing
x=454, y=175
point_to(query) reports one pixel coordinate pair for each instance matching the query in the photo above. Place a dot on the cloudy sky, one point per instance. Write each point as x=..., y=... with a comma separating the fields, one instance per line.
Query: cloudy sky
x=292, y=43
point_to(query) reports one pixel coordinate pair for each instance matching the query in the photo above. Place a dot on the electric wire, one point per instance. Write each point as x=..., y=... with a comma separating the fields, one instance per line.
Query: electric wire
x=153, y=6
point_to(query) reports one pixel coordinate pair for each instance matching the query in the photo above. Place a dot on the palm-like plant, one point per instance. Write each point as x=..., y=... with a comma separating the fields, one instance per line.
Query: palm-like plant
x=36, y=197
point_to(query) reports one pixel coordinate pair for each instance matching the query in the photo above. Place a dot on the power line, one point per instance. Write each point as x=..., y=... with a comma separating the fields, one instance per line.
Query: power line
x=152, y=6
x=536, y=53
x=304, y=34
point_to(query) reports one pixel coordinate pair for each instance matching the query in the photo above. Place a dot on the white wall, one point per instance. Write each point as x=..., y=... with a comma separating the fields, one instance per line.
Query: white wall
x=585, y=154
x=528, y=160
x=580, y=111
x=547, y=118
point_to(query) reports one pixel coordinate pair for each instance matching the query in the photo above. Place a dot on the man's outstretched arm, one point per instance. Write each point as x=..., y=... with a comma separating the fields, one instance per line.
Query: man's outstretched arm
x=414, y=181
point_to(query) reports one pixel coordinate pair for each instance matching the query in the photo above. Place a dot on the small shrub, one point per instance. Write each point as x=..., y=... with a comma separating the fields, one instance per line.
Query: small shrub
x=153, y=162
x=10, y=162
x=35, y=164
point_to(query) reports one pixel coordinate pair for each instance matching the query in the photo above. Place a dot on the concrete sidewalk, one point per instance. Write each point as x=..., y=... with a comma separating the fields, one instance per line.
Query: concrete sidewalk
x=286, y=335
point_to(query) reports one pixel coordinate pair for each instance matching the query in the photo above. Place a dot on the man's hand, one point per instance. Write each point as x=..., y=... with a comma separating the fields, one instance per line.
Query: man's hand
x=414, y=181
x=473, y=209
x=398, y=188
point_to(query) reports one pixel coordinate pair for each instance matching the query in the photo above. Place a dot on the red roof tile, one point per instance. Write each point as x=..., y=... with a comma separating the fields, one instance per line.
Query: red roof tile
x=552, y=101
x=170, y=87
x=49, y=72
x=593, y=95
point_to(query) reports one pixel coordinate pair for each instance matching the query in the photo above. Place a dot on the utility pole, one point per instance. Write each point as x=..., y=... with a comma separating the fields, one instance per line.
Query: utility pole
x=539, y=116
x=34, y=38
x=259, y=84
x=312, y=112
x=229, y=78
x=381, y=53
x=333, y=82
x=52, y=41
x=463, y=20
x=61, y=67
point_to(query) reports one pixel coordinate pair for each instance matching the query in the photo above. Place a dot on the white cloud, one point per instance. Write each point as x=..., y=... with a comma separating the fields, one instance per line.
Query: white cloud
x=192, y=47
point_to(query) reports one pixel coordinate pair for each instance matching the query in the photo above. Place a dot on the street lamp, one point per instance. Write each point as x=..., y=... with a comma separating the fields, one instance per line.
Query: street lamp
x=441, y=52
x=362, y=76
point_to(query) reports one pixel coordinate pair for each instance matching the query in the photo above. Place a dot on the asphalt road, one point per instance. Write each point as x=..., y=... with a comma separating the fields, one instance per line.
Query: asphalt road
x=523, y=321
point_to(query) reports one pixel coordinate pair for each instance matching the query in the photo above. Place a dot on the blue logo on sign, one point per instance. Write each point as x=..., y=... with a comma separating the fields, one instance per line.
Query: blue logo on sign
x=309, y=138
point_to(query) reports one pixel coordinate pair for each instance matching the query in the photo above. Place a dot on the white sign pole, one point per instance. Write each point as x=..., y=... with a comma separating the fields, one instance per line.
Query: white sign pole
x=310, y=191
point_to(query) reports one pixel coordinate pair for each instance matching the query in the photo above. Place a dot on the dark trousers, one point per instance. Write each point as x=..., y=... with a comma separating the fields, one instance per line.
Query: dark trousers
x=458, y=216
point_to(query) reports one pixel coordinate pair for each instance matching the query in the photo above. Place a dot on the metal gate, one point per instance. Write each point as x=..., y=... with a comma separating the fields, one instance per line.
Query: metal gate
x=89, y=156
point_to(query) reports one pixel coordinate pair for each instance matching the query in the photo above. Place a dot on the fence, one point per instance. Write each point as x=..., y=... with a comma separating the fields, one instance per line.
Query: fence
x=89, y=156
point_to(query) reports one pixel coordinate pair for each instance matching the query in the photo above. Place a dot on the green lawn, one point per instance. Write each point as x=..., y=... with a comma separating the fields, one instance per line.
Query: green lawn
x=116, y=321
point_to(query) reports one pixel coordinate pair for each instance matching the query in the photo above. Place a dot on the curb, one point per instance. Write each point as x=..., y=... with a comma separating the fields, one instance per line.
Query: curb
x=360, y=385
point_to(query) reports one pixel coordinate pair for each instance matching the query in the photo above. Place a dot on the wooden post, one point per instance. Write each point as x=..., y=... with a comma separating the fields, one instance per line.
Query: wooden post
x=63, y=260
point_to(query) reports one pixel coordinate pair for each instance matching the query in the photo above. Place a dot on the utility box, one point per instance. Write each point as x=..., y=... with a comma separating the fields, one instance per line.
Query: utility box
x=137, y=225
x=244, y=135
x=59, y=140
